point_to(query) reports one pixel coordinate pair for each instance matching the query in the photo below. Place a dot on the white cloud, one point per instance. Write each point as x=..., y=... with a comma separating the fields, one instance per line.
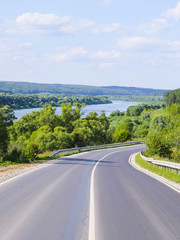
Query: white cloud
x=105, y=55
x=173, y=45
x=174, y=12
x=75, y=26
x=68, y=54
x=154, y=27
x=135, y=42
x=41, y=19
x=39, y=24
x=107, y=28
x=35, y=23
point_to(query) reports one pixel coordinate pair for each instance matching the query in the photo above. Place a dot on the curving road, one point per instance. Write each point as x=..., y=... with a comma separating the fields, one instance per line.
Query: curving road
x=52, y=203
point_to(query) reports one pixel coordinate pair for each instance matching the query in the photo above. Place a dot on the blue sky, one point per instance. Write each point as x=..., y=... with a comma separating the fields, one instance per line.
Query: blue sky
x=99, y=42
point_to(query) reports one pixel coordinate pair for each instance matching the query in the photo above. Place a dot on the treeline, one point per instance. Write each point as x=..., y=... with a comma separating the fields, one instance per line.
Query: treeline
x=18, y=101
x=172, y=97
x=36, y=88
x=135, y=98
x=44, y=131
x=138, y=109
x=159, y=125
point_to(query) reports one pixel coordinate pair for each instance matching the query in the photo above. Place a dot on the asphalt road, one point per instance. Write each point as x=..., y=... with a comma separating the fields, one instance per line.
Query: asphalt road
x=52, y=203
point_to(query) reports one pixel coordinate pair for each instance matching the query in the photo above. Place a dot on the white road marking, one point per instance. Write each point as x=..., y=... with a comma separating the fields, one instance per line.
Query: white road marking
x=92, y=205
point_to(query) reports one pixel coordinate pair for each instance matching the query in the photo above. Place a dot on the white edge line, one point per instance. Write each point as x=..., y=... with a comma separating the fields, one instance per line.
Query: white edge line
x=92, y=205
x=153, y=175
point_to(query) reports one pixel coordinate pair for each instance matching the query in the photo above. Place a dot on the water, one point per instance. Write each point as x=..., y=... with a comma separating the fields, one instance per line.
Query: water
x=108, y=108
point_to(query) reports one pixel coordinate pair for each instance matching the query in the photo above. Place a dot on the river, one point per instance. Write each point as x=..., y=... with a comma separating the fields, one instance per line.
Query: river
x=108, y=108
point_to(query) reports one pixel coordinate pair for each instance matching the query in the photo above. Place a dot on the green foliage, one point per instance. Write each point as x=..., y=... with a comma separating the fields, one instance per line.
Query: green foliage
x=117, y=113
x=158, y=122
x=62, y=139
x=15, y=154
x=138, y=109
x=70, y=114
x=43, y=131
x=164, y=136
x=123, y=131
x=172, y=97
x=18, y=101
x=3, y=138
x=35, y=88
x=92, y=130
x=6, y=119
x=148, y=98
x=158, y=144
x=7, y=115
x=121, y=135
x=31, y=151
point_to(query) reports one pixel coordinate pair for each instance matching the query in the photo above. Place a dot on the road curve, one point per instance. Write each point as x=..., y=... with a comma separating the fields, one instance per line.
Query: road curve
x=52, y=203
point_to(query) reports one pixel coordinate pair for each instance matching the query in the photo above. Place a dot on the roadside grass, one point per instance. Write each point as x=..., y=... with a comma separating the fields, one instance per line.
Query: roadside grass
x=175, y=177
x=6, y=163
x=45, y=156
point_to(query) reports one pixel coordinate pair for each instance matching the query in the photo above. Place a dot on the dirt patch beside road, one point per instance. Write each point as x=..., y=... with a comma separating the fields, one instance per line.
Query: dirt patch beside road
x=9, y=171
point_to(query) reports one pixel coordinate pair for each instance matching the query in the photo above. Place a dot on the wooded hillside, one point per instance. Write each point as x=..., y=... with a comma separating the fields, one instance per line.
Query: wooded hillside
x=35, y=88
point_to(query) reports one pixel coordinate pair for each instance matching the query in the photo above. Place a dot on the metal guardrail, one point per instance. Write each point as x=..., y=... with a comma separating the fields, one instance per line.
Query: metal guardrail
x=163, y=164
x=93, y=147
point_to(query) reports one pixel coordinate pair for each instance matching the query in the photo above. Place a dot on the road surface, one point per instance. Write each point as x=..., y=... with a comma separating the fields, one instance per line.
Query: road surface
x=53, y=203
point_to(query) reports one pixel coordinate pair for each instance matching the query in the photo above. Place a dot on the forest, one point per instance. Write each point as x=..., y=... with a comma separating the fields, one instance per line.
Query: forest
x=44, y=131
x=20, y=101
x=67, y=89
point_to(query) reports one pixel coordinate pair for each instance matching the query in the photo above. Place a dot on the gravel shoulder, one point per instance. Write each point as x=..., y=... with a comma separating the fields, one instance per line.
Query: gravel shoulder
x=10, y=171
x=167, y=182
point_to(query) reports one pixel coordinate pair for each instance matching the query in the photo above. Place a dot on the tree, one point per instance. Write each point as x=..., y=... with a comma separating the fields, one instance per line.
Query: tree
x=117, y=113
x=62, y=138
x=3, y=138
x=121, y=135
x=70, y=114
x=6, y=119
x=158, y=144
x=7, y=115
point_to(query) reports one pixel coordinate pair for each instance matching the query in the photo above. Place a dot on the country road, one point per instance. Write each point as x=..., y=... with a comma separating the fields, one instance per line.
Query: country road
x=82, y=198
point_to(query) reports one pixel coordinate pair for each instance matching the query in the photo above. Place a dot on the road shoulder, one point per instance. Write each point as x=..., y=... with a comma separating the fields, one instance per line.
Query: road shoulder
x=165, y=181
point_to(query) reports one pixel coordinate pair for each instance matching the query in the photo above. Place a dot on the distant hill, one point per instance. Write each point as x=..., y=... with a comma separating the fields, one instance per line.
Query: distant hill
x=35, y=88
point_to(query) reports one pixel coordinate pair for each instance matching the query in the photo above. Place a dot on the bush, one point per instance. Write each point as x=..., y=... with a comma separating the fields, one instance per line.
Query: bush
x=122, y=135
x=159, y=144
x=15, y=154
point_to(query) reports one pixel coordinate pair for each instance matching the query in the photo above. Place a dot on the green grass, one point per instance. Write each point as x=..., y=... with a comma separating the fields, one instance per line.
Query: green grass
x=162, y=172
x=45, y=157
x=6, y=163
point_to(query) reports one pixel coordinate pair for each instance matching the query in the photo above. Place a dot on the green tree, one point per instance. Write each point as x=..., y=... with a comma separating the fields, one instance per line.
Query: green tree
x=121, y=135
x=3, y=138
x=6, y=119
